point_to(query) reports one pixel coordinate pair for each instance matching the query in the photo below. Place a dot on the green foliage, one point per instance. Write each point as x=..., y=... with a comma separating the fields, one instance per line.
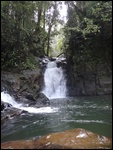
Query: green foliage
x=30, y=62
x=57, y=42
x=88, y=38
x=23, y=31
x=88, y=32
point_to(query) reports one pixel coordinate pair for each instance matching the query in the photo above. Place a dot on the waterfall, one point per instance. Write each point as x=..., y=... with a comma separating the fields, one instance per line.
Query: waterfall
x=7, y=98
x=54, y=81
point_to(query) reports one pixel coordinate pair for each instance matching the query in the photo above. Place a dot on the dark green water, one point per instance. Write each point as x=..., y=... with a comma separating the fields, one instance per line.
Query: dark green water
x=93, y=113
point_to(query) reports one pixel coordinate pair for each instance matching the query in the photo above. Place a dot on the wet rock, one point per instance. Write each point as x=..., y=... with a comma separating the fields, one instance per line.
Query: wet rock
x=2, y=88
x=30, y=97
x=61, y=62
x=77, y=138
x=52, y=58
x=10, y=112
x=28, y=81
x=44, y=100
x=4, y=105
x=87, y=80
x=23, y=85
x=10, y=81
x=41, y=100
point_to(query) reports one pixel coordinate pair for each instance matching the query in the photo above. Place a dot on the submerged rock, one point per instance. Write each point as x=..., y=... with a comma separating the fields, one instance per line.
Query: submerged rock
x=10, y=112
x=77, y=138
x=4, y=105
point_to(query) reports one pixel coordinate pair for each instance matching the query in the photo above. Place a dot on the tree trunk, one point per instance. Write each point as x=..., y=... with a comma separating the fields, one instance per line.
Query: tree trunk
x=49, y=31
x=48, y=42
x=44, y=31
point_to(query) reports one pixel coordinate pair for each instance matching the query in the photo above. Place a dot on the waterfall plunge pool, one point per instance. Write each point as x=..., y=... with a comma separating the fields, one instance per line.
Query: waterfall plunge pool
x=93, y=113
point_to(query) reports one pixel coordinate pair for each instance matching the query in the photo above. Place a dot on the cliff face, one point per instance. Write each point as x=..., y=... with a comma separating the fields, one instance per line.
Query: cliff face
x=88, y=81
x=22, y=83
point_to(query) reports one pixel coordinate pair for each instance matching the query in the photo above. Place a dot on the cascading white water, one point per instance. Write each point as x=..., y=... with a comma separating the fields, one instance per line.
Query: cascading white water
x=5, y=97
x=55, y=87
x=55, y=82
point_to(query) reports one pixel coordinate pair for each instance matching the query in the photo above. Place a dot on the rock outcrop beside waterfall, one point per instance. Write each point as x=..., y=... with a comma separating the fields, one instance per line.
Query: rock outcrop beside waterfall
x=85, y=80
x=25, y=87
x=77, y=138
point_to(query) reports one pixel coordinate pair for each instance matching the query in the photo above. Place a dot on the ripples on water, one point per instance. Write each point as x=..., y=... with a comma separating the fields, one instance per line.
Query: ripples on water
x=91, y=113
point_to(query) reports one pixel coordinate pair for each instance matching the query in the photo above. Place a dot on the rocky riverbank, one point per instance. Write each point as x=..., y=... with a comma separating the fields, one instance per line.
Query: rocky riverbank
x=77, y=138
x=25, y=87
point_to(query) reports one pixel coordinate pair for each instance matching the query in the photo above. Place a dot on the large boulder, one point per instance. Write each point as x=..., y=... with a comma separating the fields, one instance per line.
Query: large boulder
x=41, y=100
x=77, y=138
x=9, y=113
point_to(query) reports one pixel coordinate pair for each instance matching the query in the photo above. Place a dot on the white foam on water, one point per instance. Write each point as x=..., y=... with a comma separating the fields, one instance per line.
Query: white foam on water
x=5, y=97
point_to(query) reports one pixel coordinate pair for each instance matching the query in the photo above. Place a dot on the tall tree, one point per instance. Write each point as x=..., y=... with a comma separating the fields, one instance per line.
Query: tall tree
x=27, y=28
x=85, y=32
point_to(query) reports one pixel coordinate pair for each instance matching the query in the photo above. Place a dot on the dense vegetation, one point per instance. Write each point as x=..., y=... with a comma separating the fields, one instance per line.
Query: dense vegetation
x=27, y=29
x=88, y=34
